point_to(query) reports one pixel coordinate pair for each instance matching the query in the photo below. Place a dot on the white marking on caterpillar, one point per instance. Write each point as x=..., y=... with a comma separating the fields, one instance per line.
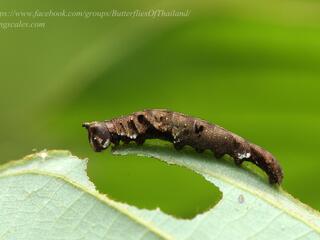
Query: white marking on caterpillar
x=244, y=155
x=106, y=143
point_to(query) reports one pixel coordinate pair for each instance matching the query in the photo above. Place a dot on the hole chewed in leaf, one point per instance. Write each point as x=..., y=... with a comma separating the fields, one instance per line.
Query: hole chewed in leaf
x=150, y=184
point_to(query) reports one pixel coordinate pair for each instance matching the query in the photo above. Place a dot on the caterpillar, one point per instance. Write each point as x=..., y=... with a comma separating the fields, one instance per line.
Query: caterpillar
x=181, y=130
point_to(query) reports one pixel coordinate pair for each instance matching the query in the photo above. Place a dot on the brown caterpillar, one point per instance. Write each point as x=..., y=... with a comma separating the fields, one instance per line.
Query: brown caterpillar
x=181, y=130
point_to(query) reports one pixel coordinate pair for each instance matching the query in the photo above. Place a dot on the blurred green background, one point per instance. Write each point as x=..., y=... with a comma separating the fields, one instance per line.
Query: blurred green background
x=251, y=67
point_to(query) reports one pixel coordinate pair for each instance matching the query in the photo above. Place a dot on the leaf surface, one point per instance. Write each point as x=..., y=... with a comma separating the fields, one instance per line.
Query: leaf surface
x=48, y=195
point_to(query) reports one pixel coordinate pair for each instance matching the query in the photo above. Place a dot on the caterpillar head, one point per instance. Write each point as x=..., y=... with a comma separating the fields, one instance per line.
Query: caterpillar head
x=99, y=136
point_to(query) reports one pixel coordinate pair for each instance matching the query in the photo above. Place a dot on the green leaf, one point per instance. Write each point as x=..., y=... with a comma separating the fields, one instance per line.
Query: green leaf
x=48, y=195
